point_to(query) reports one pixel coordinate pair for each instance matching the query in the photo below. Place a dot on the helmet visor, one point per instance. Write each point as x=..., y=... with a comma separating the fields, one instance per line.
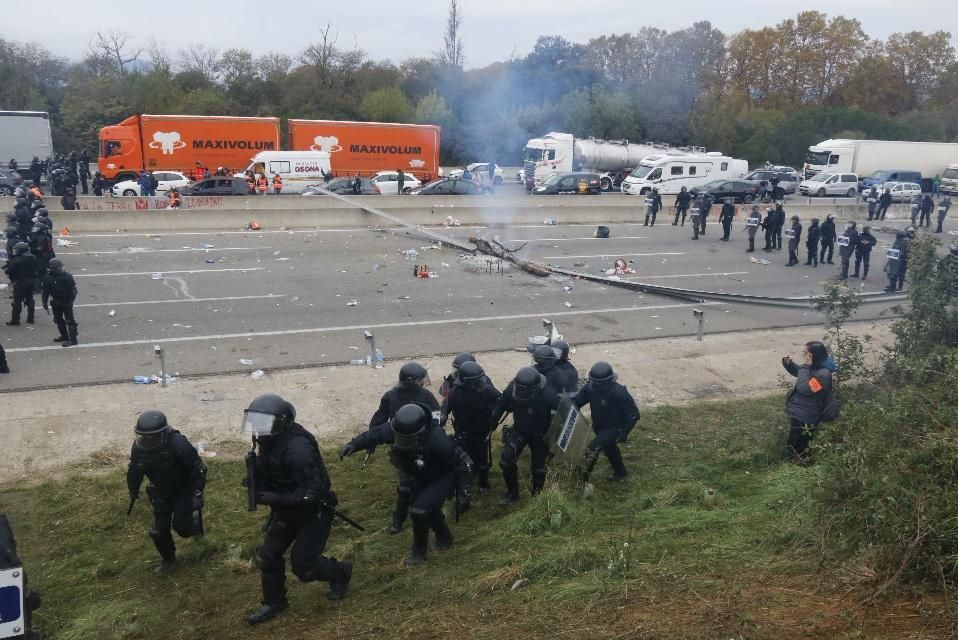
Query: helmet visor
x=151, y=441
x=603, y=386
x=258, y=424
x=406, y=443
x=523, y=393
x=476, y=383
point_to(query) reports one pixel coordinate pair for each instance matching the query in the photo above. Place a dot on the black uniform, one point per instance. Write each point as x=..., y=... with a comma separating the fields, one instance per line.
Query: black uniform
x=779, y=225
x=828, y=241
x=943, y=205
x=884, y=201
x=472, y=425
x=614, y=414
x=653, y=205
x=811, y=244
x=845, y=251
x=872, y=199
x=99, y=184
x=768, y=225
x=22, y=271
x=557, y=378
x=41, y=245
x=726, y=217
x=531, y=422
x=895, y=268
x=292, y=479
x=863, y=250
x=571, y=375
x=177, y=476
x=793, y=242
x=61, y=288
x=751, y=227
x=927, y=206
x=704, y=210
x=682, y=202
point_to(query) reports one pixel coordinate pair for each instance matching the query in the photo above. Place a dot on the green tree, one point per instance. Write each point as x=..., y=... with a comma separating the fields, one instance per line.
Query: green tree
x=387, y=105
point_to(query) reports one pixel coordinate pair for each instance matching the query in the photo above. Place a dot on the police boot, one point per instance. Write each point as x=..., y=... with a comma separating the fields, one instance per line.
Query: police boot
x=399, y=513
x=62, y=328
x=72, y=331
x=15, y=314
x=3, y=361
x=31, y=308
x=511, y=477
x=646, y=221
x=865, y=273
x=164, y=544
x=338, y=587
x=483, y=477
x=267, y=612
x=538, y=480
x=444, y=536
x=420, y=539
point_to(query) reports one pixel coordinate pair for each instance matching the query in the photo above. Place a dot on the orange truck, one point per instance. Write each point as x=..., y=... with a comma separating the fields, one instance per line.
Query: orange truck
x=178, y=142
x=363, y=148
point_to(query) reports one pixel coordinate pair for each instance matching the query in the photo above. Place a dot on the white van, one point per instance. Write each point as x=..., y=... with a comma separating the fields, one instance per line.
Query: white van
x=298, y=169
x=670, y=173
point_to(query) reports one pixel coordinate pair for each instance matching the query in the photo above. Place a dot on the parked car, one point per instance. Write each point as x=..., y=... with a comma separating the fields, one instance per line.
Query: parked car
x=9, y=180
x=166, y=179
x=387, y=183
x=450, y=187
x=901, y=191
x=569, y=183
x=884, y=176
x=216, y=186
x=343, y=185
x=830, y=184
x=787, y=177
x=482, y=168
x=738, y=190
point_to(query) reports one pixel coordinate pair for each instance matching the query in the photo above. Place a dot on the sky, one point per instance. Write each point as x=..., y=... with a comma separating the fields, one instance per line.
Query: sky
x=493, y=30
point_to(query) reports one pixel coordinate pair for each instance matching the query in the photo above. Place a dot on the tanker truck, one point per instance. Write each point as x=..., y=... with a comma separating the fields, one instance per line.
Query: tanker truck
x=612, y=159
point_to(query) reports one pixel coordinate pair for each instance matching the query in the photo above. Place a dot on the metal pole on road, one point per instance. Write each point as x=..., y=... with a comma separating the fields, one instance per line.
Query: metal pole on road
x=700, y=314
x=158, y=350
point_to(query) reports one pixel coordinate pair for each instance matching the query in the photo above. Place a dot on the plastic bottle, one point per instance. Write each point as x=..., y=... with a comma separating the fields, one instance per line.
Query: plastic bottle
x=358, y=361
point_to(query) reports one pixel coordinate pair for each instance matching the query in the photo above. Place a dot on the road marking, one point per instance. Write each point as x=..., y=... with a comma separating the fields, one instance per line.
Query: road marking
x=571, y=239
x=150, y=273
x=359, y=327
x=690, y=275
x=613, y=255
x=211, y=233
x=122, y=304
x=139, y=251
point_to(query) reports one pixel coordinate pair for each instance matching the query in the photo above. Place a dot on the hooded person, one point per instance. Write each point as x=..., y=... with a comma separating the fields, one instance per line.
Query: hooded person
x=805, y=403
x=846, y=245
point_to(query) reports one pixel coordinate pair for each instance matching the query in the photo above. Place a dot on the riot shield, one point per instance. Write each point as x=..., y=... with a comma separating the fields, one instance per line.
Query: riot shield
x=568, y=437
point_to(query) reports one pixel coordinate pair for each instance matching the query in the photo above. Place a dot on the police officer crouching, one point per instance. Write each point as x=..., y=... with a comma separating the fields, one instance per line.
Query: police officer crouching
x=435, y=465
x=289, y=476
x=177, y=478
x=614, y=414
x=60, y=288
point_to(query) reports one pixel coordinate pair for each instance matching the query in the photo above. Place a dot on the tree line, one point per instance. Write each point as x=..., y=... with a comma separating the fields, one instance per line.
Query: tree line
x=764, y=94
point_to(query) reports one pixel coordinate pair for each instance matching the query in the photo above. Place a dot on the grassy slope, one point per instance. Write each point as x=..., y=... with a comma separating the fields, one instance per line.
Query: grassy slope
x=642, y=560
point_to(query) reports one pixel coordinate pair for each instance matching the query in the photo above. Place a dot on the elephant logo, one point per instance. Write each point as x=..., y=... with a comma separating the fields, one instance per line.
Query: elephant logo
x=329, y=144
x=167, y=141
x=417, y=163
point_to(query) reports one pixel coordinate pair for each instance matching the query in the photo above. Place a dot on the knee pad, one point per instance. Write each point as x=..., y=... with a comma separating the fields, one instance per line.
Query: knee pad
x=508, y=458
x=266, y=563
x=156, y=534
x=419, y=514
x=404, y=489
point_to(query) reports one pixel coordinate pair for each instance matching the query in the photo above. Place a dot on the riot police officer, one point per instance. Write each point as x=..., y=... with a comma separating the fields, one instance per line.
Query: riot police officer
x=707, y=201
x=682, y=202
x=943, y=205
x=532, y=402
x=413, y=380
x=768, y=225
x=779, y=225
x=289, y=476
x=863, y=250
x=433, y=465
x=22, y=271
x=177, y=478
x=847, y=246
x=884, y=202
x=60, y=288
x=653, y=203
x=726, y=216
x=41, y=245
x=450, y=379
x=872, y=200
x=794, y=239
x=564, y=365
x=896, y=263
x=614, y=415
x=544, y=358
x=752, y=223
x=471, y=401
x=811, y=243
x=828, y=235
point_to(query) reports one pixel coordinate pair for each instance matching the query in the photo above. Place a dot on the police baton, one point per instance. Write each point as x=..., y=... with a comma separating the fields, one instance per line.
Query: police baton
x=133, y=498
x=343, y=517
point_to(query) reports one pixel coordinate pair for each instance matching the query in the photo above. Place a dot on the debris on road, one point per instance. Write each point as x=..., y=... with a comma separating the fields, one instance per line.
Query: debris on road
x=206, y=245
x=252, y=225
x=156, y=276
x=497, y=250
x=568, y=304
x=410, y=254
x=451, y=222
x=210, y=261
x=112, y=312
x=550, y=221
x=154, y=379
x=203, y=451
x=282, y=259
x=620, y=268
x=759, y=261
x=246, y=361
x=63, y=242
x=601, y=232
x=256, y=375
x=352, y=303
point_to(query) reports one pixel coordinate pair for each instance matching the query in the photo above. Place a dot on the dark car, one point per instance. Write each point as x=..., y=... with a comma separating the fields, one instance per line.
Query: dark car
x=787, y=180
x=344, y=186
x=216, y=186
x=449, y=187
x=9, y=179
x=569, y=183
x=738, y=190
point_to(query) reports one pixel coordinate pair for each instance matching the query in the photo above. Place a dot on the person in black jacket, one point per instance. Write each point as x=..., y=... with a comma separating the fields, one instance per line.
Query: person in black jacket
x=653, y=203
x=60, y=288
x=532, y=402
x=564, y=365
x=471, y=401
x=847, y=245
x=943, y=205
x=884, y=201
x=68, y=200
x=768, y=224
x=22, y=271
x=682, y=202
x=707, y=201
x=614, y=415
x=99, y=184
x=805, y=403
x=177, y=478
x=726, y=216
x=435, y=466
x=828, y=239
x=752, y=223
x=896, y=264
x=811, y=243
x=779, y=225
x=927, y=206
x=872, y=199
x=863, y=250
x=450, y=379
x=290, y=478
x=412, y=387
x=794, y=239
x=544, y=358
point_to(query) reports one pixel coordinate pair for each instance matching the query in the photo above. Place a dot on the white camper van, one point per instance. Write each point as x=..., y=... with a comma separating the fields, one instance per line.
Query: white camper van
x=298, y=169
x=670, y=173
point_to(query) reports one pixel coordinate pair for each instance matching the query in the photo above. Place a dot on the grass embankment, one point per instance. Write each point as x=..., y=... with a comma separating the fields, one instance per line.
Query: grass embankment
x=642, y=560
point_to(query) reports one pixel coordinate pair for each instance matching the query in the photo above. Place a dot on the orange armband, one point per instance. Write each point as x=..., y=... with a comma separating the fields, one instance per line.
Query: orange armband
x=814, y=385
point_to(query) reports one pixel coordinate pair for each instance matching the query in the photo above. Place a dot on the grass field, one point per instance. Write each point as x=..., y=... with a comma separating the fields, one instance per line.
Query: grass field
x=647, y=559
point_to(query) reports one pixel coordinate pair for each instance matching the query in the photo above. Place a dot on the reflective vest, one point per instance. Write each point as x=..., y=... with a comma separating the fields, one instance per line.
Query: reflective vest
x=198, y=173
x=262, y=184
x=277, y=182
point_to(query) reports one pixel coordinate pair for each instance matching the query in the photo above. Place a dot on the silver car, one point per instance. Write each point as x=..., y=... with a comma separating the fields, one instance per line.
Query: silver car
x=830, y=184
x=9, y=180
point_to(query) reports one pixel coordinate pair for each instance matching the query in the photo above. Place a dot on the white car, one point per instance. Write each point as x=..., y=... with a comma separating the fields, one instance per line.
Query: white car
x=830, y=184
x=482, y=168
x=901, y=191
x=166, y=179
x=387, y=183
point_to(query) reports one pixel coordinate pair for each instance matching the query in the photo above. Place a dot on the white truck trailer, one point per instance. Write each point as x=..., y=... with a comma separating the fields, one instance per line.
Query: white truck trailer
x=863, y=157
x=23, y=135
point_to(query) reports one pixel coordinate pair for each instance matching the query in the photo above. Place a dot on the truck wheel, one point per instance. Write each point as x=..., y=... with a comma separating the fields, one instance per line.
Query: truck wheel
x=852, y=193
x=5, y=190
x=606, y=184
x=129, y=192
x=748, y=198
x=821, y=193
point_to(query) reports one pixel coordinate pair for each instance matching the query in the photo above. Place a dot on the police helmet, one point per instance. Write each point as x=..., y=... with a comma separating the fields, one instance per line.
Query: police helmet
x=151, y=430
x=11, y=217
x=11, y=231
x=729, y=200
x=795, y=218
x=830, y=216
x=42, y=212
x=601, y=377
x=563, y=348
x=544, y=356
x=20, y=248
x=472, y=375
x=526, y=383
x=910, y=230
x=410, y=422
x=866, y=229
x=268, y=415
x=55, y=265
x=814, y=221
x=462, y=358
x=413, y=374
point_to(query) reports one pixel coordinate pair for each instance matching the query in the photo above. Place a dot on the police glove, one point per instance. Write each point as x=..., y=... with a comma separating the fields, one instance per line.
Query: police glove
x=268, y=498
x=348, y=450
x=197, y=500
x=463, y=501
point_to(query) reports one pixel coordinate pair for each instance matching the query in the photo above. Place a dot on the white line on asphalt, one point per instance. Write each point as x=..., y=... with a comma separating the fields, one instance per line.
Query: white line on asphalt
x=149, y=273
x=139, y=251
x=210, y=233
x=120, y=304
x=612, y=255
x=690, y=275
x=358, y=327
x=570, y=239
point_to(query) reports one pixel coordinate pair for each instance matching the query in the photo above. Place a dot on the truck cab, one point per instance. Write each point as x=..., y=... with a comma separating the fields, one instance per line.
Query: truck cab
x=949, y=180
x=834, y=156
x=121, y=157
x=546, y=156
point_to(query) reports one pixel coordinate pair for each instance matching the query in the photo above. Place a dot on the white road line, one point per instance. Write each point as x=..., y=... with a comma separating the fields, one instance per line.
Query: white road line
x=211, y=233
x=571, y=239
x=121, y=304
x=689, y=275
x=358, y=327
x=149, y=273
x=614, y=254
x=138, y=252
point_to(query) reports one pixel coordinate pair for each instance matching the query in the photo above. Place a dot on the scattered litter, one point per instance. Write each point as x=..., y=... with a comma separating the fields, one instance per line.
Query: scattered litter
x=112, y=312
x=579, y=264
x=294, y=299
x=63, y=242
x=358, y=361
x=953, y=233
x=276, y=253
x=432, y=246
x=518, y=584
x=154, y=379
x=156, y=276
x=352, y=303
x=550, y=221
x=443, y=264
x=620, y=268
x=759, y=261
x=135, y=249
x=451, y=222
x=246, y=361
x=65, y=231
x=207, y=245
x=404, y=297
x=210, y=261
x=601, y=232
x=568, y=304
x=203, y=451
x=282, y=259
x=568, y=287
x=377, y=267
x=252, y=225
x=356, y=348
x=410, y=254
x=256, y=375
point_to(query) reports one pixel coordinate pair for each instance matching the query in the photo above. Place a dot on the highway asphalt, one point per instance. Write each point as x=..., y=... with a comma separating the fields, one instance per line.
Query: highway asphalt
x=284, y=298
